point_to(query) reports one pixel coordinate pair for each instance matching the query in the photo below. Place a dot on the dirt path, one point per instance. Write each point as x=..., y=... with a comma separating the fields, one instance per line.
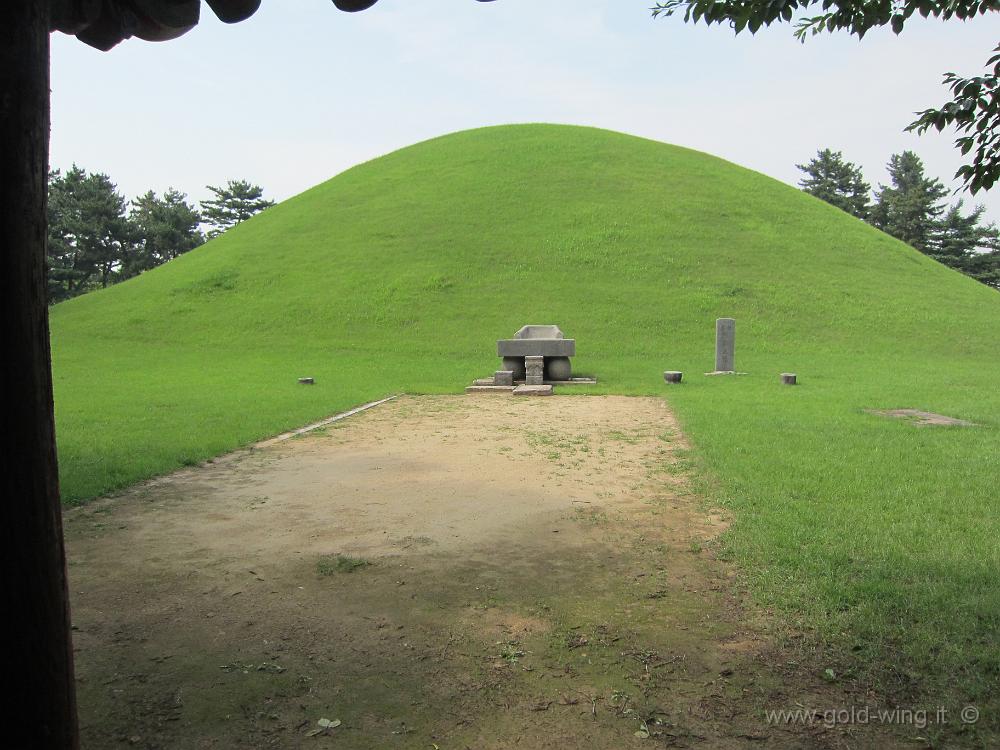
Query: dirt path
x=443, y=572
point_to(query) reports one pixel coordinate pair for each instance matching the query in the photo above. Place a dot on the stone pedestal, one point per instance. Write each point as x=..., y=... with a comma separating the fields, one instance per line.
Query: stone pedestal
x=503, y=377
x=789, y=378
x=534, y=370
x=725, y=345
x=538, y=341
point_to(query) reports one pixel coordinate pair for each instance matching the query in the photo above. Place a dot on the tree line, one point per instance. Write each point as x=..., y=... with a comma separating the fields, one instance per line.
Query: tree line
x=912, y=208
x=97, y=238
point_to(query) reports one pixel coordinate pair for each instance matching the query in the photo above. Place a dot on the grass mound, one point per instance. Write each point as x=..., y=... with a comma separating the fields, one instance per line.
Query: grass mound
x=399, y=275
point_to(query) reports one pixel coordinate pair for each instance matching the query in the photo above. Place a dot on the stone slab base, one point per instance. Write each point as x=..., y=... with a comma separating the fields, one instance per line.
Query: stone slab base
x=571, y=381
x=921, y=418
x=489, y=388
x=533, y=390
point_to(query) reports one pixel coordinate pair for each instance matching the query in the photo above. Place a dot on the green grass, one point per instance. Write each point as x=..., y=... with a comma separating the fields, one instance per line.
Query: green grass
x=330, y=564
x=399, y=275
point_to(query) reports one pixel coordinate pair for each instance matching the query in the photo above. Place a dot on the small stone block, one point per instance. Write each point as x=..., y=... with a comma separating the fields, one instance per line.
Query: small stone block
x=489, y=388
x=307, y=381
x=533, y=390
x=788, y=378
x=672, y=376
x=503, y=377
x=484, y=381
x=534, y=370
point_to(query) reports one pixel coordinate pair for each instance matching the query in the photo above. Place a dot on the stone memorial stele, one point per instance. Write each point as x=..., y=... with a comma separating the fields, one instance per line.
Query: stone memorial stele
x=725, y=345
x=545, y=341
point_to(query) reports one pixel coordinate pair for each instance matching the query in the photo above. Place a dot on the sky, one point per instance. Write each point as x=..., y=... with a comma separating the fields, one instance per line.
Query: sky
x=302, y=91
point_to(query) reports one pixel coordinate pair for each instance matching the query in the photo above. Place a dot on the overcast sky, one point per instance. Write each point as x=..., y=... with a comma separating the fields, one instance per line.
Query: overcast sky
x=302, y=91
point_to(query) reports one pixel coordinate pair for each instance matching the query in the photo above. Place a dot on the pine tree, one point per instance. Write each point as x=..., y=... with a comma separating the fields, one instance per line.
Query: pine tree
x=960, y=238
x=89, y=237
x=235, y=203
x=837, y=182
x=910, y=209
x=165, y=228
x=913, y=211
x=985, y=267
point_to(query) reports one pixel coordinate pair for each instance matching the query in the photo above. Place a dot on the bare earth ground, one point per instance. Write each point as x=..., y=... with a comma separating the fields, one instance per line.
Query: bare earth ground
x=437, y=572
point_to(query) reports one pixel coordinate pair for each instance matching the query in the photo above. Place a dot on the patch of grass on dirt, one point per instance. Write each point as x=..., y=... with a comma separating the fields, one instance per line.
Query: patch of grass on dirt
x=331, y=564
x=510, y=651
x=593, y=516
x=625, y=437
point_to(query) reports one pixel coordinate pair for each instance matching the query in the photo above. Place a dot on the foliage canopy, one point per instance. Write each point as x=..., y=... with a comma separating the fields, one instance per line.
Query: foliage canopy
x=975, y=107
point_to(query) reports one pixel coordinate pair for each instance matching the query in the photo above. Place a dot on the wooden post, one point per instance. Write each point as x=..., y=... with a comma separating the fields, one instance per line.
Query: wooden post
x=39, y=703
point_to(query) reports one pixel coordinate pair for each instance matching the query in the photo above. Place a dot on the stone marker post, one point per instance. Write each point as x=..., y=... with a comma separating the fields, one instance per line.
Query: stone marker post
x=534, y=368
x=725, y=345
